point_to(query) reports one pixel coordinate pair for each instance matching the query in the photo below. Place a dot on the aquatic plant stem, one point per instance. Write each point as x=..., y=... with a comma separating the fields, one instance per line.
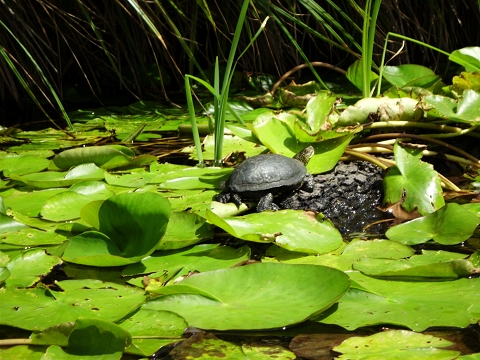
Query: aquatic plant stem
x=302, y=66
x=452, y=131
x=426, y=139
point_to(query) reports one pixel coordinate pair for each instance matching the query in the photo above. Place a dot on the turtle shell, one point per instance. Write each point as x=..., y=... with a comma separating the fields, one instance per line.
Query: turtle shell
x=266, y=172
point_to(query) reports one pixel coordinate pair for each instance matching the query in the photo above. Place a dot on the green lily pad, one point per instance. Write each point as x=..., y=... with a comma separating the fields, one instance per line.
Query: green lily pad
x=416, y=305
x=463, y=110
x=431, y=264
x=64, y=206
x=27, y=267
x=450, y=225
x=406, y=74
x=468, y=57
x=355, y=75
x=29, y=203
x=22, y=352
x=185, y=229
x=206, y=257
x=7, y=224
x=105, y=157
x=130, y=227
x=291, y=229
x=396, y=344
x=412, y=182
x=50, y=179
x=344, y=257
x=153, y=329
x=39, y=308
x=20, y=164
x=258, y=296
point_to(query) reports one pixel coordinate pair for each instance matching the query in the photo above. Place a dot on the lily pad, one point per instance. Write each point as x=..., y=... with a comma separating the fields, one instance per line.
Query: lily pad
x=292, y=229
x=39, y=308
x=396, y=344
x=416, y=305
x=206, y=257
x=153, y=329
x=412, y=182
x=258, y=296
x=27, y=267
x=468, y=57
x=450, y=225
x=50, y=179
x=105, y=157
x=344, y=257
x=463, y=110
x=130, y=227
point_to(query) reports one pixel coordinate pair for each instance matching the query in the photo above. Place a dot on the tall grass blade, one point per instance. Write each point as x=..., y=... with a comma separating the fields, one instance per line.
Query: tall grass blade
x=45, y=79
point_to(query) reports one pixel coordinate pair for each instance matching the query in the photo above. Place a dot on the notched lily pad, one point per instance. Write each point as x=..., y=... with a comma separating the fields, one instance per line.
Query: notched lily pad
x=292, y=229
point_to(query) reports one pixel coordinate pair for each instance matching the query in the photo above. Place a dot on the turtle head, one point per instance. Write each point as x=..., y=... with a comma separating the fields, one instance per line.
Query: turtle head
x=305, y=155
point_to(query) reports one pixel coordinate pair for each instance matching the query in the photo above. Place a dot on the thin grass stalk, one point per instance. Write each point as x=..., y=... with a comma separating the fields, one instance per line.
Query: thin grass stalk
x=45, y=79
x=180, y=37
x=223, y=99
x=100, y=40
x=368, y=38
x=22, y=81
x=193, y=121
x=217, y=113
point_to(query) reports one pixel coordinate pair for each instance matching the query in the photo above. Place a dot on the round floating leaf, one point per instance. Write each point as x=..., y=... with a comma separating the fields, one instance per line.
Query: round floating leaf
x=50, y=179
x=406, y=73
x=97, y=337
x=450, y=225
x=30, y=203
x=205, y=257
x=130, y=228
x=22, y=164
x=105, y=157
x=33, y=237
x=412, y=182
x=396, y=344
x=149, y=326
x=468, y=57
x=185, y=229
x=416, y=305
x=258, y=296
x=39, y=308
x=64, y=206
x=27, y=267
x=294, y=230
x=96, y=190
x=7, y=224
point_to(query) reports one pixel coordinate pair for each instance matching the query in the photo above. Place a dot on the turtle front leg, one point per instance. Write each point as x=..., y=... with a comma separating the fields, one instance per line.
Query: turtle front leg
x=308, y=184
x=266, y=203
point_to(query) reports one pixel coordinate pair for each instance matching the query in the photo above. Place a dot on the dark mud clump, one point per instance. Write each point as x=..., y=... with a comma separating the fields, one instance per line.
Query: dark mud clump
x=349, y=195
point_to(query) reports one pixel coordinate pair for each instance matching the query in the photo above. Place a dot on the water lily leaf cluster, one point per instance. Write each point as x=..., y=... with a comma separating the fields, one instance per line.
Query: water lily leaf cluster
x=104, y=252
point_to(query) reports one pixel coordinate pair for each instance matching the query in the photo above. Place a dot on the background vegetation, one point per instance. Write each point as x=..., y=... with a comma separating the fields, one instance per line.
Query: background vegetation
x=96, y=53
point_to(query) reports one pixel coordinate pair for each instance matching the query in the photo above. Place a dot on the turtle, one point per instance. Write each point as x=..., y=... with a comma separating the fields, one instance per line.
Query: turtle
x=263, y=177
